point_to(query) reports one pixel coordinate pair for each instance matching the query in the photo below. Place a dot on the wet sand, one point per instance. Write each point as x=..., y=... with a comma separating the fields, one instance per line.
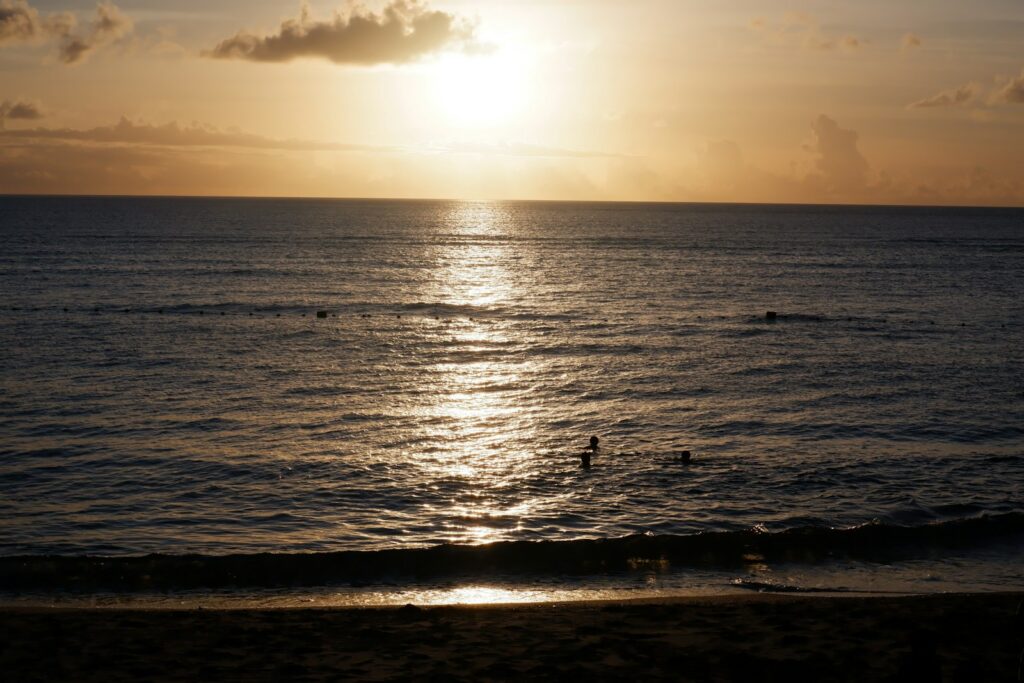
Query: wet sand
x=728, y=638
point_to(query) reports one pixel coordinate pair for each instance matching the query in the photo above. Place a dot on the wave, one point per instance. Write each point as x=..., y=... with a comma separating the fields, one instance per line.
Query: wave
x=873, y=542
x=770, y=587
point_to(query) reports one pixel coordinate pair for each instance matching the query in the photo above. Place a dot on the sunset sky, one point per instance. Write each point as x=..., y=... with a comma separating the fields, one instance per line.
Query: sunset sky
x=873, y=101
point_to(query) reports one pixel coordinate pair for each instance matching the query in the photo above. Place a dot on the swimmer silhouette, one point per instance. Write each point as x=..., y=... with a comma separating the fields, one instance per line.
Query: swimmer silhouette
x=684, y=457
x=589, y=451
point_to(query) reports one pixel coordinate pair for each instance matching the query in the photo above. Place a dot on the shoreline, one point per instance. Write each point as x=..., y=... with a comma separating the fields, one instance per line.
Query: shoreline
x=964, y=636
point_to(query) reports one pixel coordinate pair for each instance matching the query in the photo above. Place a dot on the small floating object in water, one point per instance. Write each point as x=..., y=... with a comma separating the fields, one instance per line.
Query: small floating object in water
x=321, y=314
x=771, y=315
x=684, y=456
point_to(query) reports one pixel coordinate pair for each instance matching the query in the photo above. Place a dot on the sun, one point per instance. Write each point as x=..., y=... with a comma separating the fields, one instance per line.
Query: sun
x=482, y=91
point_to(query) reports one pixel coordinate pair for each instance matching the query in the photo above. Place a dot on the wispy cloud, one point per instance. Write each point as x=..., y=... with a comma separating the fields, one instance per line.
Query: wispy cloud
x=948, y=98
x=109, y=25
x=516, y=149
x=22, y=23
x=406, y=30
x=803, y=30
x=172, y=134
x=910, y=41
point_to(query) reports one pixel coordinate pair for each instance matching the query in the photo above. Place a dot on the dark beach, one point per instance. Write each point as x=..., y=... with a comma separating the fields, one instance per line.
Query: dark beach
x=967, y=637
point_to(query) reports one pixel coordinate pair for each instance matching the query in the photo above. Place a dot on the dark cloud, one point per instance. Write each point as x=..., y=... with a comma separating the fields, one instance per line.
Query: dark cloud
x=947, y=98
x=174, y=135
x=840, y=167
x=18, y=21
x=404, y=31
x=19, y=109
x=1012, y=92
x=21, y=23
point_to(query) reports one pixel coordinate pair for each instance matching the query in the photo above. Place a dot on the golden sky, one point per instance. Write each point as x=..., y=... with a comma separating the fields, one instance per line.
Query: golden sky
x=873, y=101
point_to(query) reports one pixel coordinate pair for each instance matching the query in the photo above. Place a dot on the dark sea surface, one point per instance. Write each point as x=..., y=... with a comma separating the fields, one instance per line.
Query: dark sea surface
x=167, y=387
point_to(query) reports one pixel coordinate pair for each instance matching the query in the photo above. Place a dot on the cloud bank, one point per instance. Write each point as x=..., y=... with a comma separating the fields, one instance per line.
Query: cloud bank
x=22, y=23
x=140, y=158
x=406, y=30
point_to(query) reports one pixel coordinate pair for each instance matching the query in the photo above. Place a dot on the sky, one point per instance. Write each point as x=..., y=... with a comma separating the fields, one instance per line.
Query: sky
x=812, y=101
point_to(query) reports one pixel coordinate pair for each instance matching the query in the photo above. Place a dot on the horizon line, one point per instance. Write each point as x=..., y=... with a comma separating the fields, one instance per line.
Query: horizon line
x=664, y=202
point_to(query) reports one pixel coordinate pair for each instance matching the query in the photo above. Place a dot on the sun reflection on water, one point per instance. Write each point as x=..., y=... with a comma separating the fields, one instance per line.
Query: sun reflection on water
x=480, y=425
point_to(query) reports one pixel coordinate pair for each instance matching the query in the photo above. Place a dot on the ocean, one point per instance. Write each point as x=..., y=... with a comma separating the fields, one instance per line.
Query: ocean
x=362, y=401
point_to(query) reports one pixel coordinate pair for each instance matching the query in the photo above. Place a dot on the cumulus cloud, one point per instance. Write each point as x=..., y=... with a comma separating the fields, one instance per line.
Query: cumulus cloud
x=947, y=98
x=19, y=109
x=22, y=23
x=840, y=167
x=404, y=31
x=1012, y=92
x=910, y=41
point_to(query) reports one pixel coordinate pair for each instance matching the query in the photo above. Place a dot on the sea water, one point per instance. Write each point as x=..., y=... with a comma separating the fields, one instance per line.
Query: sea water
x=168, y=386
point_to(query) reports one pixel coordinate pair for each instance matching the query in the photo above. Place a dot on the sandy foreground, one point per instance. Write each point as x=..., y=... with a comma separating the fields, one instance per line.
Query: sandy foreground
x=976, y=638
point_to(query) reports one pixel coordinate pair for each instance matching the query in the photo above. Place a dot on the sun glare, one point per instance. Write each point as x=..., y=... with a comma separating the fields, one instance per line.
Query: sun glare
x=481, y=90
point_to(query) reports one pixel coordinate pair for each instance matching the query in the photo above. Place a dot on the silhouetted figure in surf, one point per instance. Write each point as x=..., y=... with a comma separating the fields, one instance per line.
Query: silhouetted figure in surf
x=588, y=452
x=684, y=457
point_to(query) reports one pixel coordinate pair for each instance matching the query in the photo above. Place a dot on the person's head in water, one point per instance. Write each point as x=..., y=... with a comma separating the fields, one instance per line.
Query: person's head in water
x=593, y=443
